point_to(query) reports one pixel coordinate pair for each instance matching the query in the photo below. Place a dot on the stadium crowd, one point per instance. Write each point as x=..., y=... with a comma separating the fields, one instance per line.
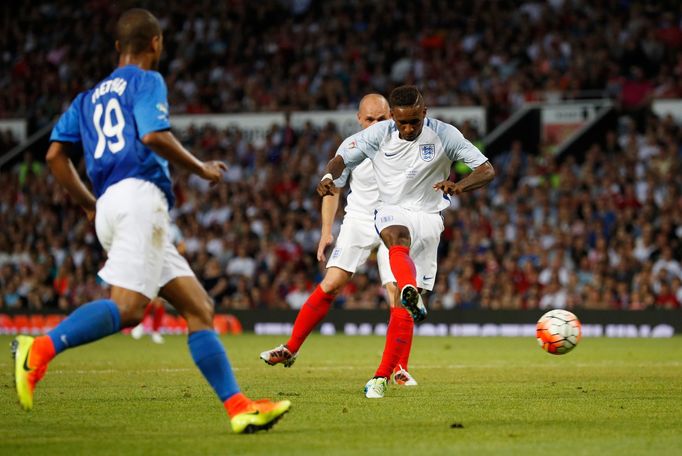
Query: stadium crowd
x=283, y=54
x=604, y=233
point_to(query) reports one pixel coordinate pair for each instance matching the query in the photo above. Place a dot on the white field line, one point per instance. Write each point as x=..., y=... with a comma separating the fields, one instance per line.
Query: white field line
x=315, y=368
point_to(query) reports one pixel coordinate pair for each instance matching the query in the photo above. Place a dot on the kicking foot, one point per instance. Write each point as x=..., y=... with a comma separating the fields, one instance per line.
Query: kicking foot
x=25, y=377
x=279, y=355
x=412, y=301
x=259, y=416
x=376, y=388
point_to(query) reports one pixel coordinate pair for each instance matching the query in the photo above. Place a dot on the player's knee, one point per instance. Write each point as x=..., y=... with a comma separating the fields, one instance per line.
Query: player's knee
x=396, y=235
x=332, y=284
x=209, y=309
x=202, y=314
x=131, y=313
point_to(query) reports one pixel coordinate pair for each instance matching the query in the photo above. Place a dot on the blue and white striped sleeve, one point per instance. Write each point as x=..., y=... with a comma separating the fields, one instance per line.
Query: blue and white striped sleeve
x=456, y=146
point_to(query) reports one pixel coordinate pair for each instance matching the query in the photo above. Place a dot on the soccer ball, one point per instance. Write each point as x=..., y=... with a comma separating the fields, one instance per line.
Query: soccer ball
x=558, y=332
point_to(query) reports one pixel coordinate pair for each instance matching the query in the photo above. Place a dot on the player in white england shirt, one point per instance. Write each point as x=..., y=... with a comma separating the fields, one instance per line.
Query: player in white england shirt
x=357, y=239
x=411, y=156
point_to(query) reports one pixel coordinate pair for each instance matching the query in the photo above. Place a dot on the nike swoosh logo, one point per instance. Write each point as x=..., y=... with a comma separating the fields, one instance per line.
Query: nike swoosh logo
x=257, y=412
x=392, y=155
x=26, y=368
x=426, y=278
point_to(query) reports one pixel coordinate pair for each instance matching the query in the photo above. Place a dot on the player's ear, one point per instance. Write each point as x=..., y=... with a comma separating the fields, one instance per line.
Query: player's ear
x=118, y=46
x=157, y=43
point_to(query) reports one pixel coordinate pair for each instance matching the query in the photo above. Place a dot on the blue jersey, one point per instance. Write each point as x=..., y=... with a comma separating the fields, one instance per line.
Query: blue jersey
x=110, y=121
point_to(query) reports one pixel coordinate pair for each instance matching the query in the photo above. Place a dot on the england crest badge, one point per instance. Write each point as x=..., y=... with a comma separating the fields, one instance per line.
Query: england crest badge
x=427, y=151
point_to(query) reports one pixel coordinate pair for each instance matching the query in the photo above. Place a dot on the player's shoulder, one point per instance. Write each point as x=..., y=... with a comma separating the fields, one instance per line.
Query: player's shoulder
x=139, y=78
x=443, y=130
x=438, y=126
x=380, y=129
x=76, y=105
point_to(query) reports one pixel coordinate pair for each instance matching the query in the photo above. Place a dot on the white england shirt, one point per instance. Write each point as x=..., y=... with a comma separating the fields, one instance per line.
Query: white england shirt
x=363, y=197
x=406, y=171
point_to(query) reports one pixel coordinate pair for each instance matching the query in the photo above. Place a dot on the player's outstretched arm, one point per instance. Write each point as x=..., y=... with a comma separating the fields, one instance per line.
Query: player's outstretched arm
x=166, y=145
x=481, y=176
x=333, y=170
x=61, y=166
x=330, y=204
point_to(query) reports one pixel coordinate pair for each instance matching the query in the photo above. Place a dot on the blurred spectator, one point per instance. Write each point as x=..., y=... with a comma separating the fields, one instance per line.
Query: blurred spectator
x=304, y=55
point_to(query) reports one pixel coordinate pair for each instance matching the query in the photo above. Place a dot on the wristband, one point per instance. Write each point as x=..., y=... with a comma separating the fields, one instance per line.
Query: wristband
x=327, y=176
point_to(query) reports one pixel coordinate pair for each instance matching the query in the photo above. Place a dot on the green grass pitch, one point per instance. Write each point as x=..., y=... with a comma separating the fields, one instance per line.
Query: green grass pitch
x=120, y=396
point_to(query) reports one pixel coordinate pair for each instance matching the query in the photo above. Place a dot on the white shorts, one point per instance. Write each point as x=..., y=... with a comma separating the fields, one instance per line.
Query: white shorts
x=357, y=239
x=425, y=230
x=132, y=224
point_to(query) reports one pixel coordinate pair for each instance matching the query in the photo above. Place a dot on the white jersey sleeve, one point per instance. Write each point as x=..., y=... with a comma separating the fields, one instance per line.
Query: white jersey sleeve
x=363, y=144
x=342, y=180
x=456, y=146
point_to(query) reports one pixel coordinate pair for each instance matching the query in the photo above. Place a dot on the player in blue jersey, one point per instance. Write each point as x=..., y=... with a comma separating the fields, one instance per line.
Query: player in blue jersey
x=123, y=127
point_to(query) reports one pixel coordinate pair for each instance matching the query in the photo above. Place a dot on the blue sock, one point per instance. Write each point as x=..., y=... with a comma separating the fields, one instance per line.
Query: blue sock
x=88, y=323
x=210, y=357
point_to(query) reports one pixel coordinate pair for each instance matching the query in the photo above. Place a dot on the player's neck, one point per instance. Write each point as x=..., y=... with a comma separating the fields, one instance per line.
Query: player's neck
x=141, y=60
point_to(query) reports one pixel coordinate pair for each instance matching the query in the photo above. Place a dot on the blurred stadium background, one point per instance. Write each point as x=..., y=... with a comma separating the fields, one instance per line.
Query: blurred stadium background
x=578, y=104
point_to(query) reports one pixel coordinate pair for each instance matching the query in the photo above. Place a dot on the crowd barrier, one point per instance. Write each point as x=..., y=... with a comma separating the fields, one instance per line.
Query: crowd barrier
x=471, y=323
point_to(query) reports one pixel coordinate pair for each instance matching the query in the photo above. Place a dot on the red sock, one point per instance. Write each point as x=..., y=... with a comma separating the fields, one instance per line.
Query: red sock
x=159, y=312
x=313, y=311
x=398, y=336
x=402, y=266
x=42, y=352
x=408, y=326
x=147, y=311
x=236, y=404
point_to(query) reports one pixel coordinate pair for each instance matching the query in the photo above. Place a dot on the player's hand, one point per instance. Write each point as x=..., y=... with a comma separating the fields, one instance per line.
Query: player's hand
x=448, y=187
x=325, y=187
x=213, y=171
x=325, y=241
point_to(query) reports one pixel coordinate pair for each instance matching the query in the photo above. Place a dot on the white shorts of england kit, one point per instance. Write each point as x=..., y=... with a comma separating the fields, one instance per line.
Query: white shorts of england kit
x=133, y=226
x=425, y=230
x=357, y=238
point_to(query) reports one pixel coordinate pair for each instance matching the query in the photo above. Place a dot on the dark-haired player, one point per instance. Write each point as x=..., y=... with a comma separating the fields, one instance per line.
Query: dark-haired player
x=411, y=156
x=357, y=239
x=122, y=123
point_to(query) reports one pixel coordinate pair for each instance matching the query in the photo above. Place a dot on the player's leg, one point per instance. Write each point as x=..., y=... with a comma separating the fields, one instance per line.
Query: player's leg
x=138, y=331
x=398, y=334
x=395, y=226
x=130, y=217
x=309, y=316
x=187, y=295
x=353, y=246
x=159, y=310
x=317, y=306
x=425, y=256
x=88, y=323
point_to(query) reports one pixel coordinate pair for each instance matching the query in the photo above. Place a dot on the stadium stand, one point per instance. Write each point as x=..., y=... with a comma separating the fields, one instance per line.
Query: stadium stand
x=274, y=55
x=603, y=233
